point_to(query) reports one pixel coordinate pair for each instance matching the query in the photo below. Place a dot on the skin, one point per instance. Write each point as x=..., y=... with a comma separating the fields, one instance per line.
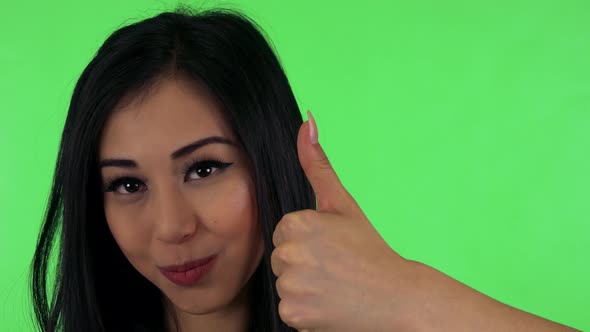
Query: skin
x=166, y=217
x=334, y=271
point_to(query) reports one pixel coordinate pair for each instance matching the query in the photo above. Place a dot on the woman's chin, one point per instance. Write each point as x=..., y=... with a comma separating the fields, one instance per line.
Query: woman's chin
x=193, y=302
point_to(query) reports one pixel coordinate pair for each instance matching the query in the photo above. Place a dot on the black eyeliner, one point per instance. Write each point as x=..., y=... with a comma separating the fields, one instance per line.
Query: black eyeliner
x=114, y=183
x=204, y=161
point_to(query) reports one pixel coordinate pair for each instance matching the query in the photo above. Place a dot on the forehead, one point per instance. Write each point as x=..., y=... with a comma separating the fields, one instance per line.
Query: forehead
x=175, y=112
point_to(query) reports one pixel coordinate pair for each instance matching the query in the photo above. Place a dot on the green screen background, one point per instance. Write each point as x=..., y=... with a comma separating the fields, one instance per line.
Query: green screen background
x=462, y=128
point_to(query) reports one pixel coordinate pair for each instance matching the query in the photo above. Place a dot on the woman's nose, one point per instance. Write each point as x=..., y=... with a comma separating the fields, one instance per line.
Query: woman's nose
x=174, y=217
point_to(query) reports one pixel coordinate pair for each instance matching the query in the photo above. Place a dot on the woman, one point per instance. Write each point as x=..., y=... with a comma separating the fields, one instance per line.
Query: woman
x=184, y=182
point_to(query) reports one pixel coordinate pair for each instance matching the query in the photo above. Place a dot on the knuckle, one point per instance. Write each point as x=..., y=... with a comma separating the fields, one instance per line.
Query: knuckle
x=279, y=285
x=309, y=214
x=282, y=254
x=296, y=222
x=290, y=225
x=324, y=164
x=289, y=314
x=289, y=215
x=275, y=264
x=282, y=285
x=299, y=215
x=277, y=237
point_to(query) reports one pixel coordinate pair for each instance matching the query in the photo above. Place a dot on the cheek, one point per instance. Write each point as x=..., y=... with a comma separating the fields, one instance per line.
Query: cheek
x=131, y=238
x=234, y=215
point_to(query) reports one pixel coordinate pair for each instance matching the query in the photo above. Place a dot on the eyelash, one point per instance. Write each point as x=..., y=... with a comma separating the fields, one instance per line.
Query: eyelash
x=203, y=162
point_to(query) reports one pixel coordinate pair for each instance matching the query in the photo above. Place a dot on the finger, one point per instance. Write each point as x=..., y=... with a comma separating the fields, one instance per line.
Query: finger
x=330, y=193
x=276, y=263
x=277, y=236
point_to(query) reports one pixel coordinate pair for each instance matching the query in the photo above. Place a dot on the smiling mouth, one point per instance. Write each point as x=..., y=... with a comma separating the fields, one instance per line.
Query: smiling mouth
x=190, y=273
x=188, y=266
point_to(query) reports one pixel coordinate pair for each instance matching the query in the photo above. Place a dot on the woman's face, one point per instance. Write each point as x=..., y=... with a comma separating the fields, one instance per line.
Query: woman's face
x=169, y=200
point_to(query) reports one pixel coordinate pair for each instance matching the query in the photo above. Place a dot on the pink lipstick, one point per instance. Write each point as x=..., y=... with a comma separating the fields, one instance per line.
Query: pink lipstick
x=190, y=273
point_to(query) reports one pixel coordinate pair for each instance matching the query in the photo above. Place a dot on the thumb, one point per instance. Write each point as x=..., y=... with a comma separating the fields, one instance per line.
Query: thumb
x=330, y=193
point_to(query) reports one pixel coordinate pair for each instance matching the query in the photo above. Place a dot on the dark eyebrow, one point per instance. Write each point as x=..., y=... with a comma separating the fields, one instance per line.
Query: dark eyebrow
x=187, y=149
x=117, y=163
x=183, y=151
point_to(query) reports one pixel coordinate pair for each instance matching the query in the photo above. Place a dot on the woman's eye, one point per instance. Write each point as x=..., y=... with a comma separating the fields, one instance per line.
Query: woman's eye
x=126, y=186
x=202, y=170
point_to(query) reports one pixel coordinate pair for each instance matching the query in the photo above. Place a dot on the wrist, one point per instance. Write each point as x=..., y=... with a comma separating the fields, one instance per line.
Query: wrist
x=437, y=301
x=412, y=298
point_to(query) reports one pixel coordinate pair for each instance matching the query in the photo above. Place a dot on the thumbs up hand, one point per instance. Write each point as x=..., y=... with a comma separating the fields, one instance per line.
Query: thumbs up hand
x=335, y=272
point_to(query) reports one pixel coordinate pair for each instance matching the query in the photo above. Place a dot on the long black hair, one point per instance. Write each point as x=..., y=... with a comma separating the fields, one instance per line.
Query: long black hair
x=95, y=287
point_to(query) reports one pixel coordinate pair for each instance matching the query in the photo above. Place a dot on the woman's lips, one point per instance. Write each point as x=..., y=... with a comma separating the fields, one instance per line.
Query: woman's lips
x=189, y=273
